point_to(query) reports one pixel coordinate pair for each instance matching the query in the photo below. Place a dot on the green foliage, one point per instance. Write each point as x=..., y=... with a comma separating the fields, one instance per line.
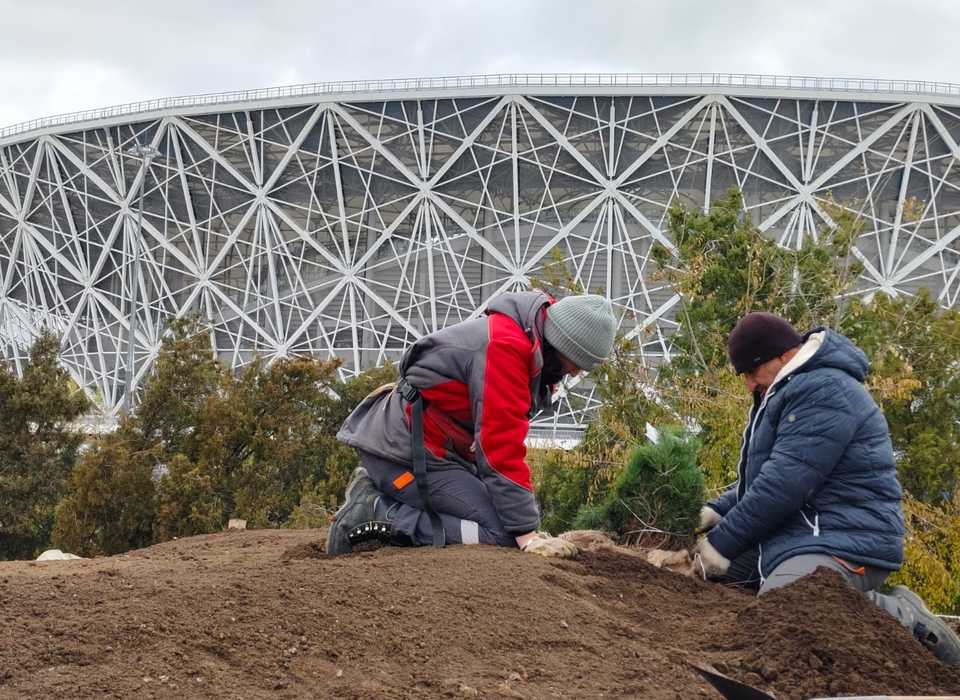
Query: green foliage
x=556, y=278
x=320, y=497
x=187, y=501
x=207, y=444
x=932, y=554
x=659, y=492
x=714, y=400
x=623, y=415
x=725, y=268
x=184, y=376
x=260, y=436
x=313, y=510
x=38, y=446
x=110, y=504
x=564, y=482
x=914, y=346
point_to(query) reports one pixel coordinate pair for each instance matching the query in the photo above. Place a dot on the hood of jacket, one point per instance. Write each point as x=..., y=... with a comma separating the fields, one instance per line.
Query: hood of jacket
x=525, y=308
x=822, y=348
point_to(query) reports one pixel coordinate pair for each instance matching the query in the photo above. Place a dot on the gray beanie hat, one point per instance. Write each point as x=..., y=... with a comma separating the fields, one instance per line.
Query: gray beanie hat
x=582, y=329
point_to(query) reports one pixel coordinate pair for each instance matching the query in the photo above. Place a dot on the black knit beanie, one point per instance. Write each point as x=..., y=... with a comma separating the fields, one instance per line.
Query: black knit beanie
x=759, y=337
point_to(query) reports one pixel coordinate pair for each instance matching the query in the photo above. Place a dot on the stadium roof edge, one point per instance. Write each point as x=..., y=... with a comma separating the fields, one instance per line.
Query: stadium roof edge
x=739, y=84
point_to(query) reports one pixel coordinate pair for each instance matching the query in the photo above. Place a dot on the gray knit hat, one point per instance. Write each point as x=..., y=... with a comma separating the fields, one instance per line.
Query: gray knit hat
x=582, y=329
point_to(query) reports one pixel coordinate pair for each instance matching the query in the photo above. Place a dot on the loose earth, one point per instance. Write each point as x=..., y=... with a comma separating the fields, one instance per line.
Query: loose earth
x=265, y=613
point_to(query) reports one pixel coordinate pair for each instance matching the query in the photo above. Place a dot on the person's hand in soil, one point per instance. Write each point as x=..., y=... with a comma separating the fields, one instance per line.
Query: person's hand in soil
x=707, y=561
x=546, y=546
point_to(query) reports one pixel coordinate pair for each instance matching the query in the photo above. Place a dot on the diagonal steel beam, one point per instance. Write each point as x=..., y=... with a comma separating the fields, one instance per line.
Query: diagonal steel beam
x=562, y=140
x=469, y=140
x=655, y=232
x=664, y=139
x=762, y=144
x=863, y=146
x=214, y=155
x=294, y=148
x=418, y=183
x=938, y=247
x=378, y=146
x=904, y=185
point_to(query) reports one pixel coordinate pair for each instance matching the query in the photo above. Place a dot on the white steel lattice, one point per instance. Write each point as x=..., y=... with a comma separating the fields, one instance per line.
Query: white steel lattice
x=349, y=228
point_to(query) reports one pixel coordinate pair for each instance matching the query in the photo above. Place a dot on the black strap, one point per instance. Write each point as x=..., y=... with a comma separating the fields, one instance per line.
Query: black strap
x=419, y=455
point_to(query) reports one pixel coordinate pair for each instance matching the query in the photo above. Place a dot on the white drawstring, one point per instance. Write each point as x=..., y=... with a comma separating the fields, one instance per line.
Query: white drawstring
x=815, y=525
x=760, y=564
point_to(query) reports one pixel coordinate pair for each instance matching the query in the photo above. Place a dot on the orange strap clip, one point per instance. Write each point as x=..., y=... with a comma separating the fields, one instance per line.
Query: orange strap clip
x=402, y=481
x=861, y=570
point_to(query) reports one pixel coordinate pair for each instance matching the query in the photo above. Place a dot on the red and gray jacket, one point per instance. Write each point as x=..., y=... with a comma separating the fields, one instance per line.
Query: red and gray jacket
x=480, y=381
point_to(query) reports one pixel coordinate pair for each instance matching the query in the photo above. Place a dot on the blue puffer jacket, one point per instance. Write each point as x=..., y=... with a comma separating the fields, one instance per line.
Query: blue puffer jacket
x=816, y=469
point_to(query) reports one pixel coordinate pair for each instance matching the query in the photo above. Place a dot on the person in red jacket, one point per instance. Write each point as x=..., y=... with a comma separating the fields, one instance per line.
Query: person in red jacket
x=442, y=452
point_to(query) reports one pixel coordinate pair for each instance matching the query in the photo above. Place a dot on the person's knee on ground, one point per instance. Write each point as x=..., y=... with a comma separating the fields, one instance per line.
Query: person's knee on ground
x=862, y=578
x=902, y=603
x=458, y=497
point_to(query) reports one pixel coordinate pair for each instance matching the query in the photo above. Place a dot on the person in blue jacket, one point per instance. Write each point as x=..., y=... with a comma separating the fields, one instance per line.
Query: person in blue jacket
x=817, y=483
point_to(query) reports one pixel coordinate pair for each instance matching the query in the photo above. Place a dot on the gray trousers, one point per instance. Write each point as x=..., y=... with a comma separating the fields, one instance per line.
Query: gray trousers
x=865, y=579
x=459, y=498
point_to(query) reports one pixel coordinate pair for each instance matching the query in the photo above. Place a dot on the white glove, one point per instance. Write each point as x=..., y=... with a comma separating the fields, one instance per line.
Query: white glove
x=707, y=561
x=547, y=546
x=708, y=518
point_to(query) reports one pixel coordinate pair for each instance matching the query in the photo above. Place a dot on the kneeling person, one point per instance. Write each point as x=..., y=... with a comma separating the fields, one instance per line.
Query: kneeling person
x=462, y=410
x=817, y=480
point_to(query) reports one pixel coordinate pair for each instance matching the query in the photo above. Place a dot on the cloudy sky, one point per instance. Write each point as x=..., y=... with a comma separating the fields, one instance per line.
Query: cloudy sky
x=66, y=55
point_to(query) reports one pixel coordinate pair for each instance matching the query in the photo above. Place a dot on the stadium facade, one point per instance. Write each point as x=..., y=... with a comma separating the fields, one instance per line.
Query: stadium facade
x=347, y=219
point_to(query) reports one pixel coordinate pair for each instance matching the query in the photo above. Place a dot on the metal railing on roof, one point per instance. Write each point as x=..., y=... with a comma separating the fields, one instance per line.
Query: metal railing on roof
x=498, y=80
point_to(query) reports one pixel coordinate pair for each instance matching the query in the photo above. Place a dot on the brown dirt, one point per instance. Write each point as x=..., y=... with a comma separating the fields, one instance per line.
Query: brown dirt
x=266, y=614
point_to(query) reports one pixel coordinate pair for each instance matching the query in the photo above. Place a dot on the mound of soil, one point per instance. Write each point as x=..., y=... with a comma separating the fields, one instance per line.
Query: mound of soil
x=267, y=614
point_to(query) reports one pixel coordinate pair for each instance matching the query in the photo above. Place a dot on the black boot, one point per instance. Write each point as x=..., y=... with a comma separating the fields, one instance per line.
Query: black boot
x=929, y=629
x=364, y=516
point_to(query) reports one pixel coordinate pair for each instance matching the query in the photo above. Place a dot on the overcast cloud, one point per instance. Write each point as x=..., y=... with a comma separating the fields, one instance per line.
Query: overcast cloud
x=66, y=55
